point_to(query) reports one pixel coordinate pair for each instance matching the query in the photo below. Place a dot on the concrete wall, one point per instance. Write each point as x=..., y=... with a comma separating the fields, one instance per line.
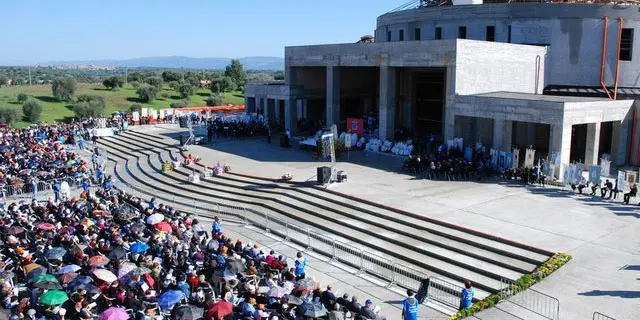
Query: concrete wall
x=488, y=67
x=573, y=31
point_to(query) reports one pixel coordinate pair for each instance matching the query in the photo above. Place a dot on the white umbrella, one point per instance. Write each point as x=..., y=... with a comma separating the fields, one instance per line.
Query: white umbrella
x=105, y=275
x=155, y=218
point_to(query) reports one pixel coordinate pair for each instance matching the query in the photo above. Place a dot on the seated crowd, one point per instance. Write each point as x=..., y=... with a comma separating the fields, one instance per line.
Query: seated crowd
x=235, y=129
x=112, y=253
x=37, y=153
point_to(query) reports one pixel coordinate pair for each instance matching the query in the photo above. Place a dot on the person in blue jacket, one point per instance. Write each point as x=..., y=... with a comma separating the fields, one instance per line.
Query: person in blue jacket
x=300, y=264
x=467, y=296
x=410, y=306
x=216, y=227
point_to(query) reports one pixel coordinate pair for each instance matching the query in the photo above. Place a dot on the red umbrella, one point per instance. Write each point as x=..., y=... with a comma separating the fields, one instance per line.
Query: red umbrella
x=46, y=226
x=163, y=226
x=67, y=277
x=98, y=261
x=220, y=310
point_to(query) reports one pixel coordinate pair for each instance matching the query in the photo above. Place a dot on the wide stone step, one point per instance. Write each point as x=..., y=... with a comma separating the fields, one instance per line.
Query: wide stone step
x=283, y=212
x=446, y=250
x=520, y=256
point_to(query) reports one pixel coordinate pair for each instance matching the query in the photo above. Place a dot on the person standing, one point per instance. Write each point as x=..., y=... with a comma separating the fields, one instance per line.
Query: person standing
x=467, y=296
x=56, y=190
x=216, y=228
x=300, y=264
x=410, y=306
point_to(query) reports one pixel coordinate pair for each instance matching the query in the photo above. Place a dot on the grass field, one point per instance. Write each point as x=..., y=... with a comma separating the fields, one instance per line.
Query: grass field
x=55, y=111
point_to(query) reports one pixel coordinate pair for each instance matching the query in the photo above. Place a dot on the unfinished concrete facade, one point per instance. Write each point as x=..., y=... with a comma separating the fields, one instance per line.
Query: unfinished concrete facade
x=485, y=91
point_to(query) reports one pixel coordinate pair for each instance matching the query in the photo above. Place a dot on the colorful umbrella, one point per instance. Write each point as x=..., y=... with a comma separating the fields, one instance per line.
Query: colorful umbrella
x=277, y=292
x=220, y=310
x=125, y=268
x=98, y=261
x=14, y=231
x=87, y=222
x=69, y=268
x=105, y=275
x=68, y=277
x=163, y=226
x=55, y=253
x=170, y=298
x=139, y=271
x=46, y=226
x=30, y=267
x=139, y=247
x=155, y=218
x=114, y=313
x=101, y=213
x=44, y=277
x=53, y=297
x=48, y=285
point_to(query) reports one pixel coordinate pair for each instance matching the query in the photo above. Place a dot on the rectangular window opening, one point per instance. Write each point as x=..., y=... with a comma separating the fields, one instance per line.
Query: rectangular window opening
x=438, y=35
x=462, y=32
x=388, y=36
x=626, y=44
x=416, y=34
x=401, y=35
x=491, y=33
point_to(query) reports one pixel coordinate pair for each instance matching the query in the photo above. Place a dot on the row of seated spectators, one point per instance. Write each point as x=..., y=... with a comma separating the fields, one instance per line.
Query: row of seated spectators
x=236, y=129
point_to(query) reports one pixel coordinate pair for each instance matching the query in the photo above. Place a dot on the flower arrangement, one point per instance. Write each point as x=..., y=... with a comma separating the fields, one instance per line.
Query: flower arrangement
x=547, y=268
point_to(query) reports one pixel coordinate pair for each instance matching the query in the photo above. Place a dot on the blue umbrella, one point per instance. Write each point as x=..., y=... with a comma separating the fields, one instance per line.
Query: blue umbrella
x=170, y=298
x=55, y=253
x=139, y=247
x=78, y=281
x=69, y=268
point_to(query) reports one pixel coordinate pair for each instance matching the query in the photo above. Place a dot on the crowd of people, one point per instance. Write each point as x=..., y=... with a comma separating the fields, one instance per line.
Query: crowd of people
x=37, y=154
x=236, y=129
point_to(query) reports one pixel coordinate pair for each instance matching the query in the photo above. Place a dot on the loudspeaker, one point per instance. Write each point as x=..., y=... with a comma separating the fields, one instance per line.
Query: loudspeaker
x=324, y=174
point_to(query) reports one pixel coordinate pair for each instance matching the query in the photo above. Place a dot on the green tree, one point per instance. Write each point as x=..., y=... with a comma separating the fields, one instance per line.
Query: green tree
x=222, y=84
x=64, y=88
x=156, y=82
x=185, y=89
x=89, y=106
x=179, y=104
x=3, y=80
x=31, y=111
x=135, y=84
x=21, y=97
x=9, y=115
x=174, y=85
x=136, y=76
x=147, y=92
x=113, y=82
x=214, y=100
x=168, y=76
x=236, y=71
x=135, y=107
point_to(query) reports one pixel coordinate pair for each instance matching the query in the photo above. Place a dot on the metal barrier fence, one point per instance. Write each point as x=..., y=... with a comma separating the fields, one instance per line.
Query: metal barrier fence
x=361, y=260
x=530, y=299
x=600, y=316
x=16, y=190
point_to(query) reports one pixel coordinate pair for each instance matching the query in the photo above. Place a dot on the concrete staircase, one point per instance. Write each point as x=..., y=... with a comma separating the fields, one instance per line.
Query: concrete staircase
x=449, y=252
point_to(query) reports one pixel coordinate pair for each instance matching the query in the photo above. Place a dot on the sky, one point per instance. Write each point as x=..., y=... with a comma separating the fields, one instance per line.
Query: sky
x=71, y=30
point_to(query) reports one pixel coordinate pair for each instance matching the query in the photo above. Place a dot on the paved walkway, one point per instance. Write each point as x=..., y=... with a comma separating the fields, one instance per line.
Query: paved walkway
x=601, y=235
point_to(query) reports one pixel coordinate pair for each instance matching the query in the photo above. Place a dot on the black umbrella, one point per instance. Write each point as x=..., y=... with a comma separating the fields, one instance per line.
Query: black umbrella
x=117, y=253
x=188, y=312
x=77, y=281
x=313, y=310
x=91, y=289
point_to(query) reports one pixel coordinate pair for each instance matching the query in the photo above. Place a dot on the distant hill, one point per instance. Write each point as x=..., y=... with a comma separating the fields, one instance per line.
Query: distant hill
x=180, y=62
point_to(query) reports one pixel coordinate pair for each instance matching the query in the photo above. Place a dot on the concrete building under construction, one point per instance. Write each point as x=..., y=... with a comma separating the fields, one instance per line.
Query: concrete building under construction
x=561, y=77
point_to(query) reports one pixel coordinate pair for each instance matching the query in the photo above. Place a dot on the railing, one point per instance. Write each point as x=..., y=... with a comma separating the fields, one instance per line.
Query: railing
x=361, y=260
x=530, y=299
x=600, y=316
x=7, y=191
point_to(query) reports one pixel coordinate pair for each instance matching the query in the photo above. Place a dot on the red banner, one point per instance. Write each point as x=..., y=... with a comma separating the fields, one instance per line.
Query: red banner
x=355, y=126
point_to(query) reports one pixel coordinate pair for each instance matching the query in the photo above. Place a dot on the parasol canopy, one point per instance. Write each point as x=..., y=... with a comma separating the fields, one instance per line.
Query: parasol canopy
x=69, y=268
x=53, y=297
x=188, y=312
x=98, y=261
x=105, y=275
x=163, y=226
x=139, y=247
x=155, y=218
x=170, y=298
x=46, y=226
x=114, y=313
x=55, y=253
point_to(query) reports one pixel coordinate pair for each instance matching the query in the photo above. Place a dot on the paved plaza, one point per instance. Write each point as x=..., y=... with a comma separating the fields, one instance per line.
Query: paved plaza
x=601, y=235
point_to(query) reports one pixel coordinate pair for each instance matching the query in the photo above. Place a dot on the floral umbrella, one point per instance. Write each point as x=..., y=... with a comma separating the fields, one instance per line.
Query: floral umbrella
x=98, y=261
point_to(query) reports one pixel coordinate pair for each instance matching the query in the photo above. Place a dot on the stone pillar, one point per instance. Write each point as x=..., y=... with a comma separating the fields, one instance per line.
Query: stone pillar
x=622, y=144
x=387, y=108
x=333, y=95
x=449, y=129
x=276, y=111
x=502, y=134
x=593, y=144
x=291, y=114
x=615, y=135
x=560, y=141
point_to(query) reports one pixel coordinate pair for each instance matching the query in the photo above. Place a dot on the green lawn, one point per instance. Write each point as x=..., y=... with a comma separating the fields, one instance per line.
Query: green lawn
x=55, y=111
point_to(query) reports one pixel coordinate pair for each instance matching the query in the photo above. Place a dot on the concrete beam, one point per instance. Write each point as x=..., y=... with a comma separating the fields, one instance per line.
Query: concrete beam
x=387, y=107
x=593, y=144
x=333, y=95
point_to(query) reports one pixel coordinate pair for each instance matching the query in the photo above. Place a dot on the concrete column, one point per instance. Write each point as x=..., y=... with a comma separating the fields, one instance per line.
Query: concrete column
x=247, y=105
x=387, y=108
x=276, y=109
x=333, y=95
x=560, y=141
x=593, y=144
x=449, y=129
x=615, y=135
x=622, y=143
x=291, y=114
x=502, y=134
